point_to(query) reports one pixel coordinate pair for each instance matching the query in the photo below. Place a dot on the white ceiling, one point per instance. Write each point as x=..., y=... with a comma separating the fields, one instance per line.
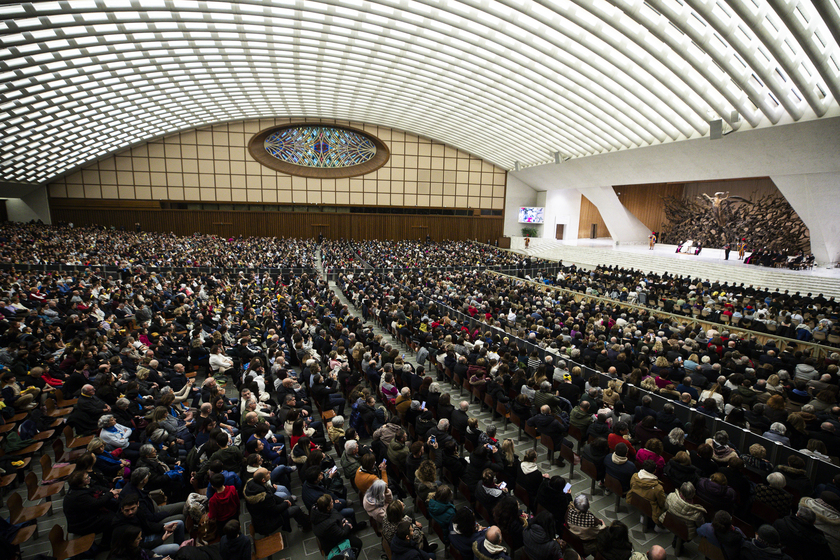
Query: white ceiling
x=509, y=81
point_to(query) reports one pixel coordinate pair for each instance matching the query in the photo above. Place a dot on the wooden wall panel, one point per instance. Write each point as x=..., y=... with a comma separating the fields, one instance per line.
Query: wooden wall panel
x=645, y=201
x=280, y=224
x=589, y=215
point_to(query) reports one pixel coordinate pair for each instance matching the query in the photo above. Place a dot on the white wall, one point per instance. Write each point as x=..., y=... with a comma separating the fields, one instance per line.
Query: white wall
x=33, y=206
x=518, y=194
x=562, y=206
x=808, y=195
x=794, y=156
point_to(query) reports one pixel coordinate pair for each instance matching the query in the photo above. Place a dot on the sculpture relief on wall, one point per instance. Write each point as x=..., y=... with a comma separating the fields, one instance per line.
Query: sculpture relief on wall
x=766, y=221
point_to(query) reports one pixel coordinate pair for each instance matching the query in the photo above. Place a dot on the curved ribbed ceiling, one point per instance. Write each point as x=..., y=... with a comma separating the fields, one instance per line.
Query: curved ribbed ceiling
x=509, y=81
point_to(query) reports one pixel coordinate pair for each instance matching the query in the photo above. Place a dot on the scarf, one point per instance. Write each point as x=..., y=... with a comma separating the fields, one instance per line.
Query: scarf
x=618, y=460
x=493, y=548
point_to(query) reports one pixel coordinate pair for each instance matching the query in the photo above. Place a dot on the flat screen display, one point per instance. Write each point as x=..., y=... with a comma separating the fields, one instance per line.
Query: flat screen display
x=531, y=215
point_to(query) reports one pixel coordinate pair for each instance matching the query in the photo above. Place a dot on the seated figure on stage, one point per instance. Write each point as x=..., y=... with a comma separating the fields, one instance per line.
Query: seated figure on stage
x=685, y=246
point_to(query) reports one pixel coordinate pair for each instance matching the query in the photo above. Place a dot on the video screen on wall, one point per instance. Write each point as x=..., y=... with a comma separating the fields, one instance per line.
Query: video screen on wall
x=531, y=215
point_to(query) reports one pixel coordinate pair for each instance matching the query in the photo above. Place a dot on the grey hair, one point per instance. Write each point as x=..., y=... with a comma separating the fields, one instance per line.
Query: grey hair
x=350, y=445
x=122, y=403
x=376, y=493
x=443, y=424
x=722, y=437
x=434, y=387
x=104, y=420
x=776, y=480
x=778, y=427
x=138, y=475
x=582, y=503
x=687, y=490
x=337, y=421
x=545, y=386
x=676, y=436
x=405, y=391
x=146, y=450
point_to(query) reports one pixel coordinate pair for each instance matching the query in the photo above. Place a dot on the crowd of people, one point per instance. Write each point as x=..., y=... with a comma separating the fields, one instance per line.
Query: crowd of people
x=418, y=254
x=782, y=393
x=295, y=387
x=791, y=315
x=100, y=246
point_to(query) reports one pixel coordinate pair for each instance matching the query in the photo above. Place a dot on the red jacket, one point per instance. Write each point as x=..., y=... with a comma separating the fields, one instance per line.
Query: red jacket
x=224, y=505
x=615, y=439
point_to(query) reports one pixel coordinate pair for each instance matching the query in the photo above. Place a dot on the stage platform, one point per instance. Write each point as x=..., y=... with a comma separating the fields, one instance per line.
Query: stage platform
x=709, y=264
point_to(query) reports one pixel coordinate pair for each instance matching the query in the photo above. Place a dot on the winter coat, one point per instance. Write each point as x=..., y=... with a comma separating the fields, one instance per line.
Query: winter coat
x=480, y=552
x=692, y=514
x=464, y=543
x=387, y=432
x=530, y=478
x=397, y=453
x=648, y=487
x=268, y=512
x=405, y=549
x=441, y=512
x=679, y=473
x=623, y=472
x=776, y=498
x=798, y=480
x=329, y=528
x=85, y=510
x=580, y=419
x=750, y=550
x=365, y=480
x=376, y=511
x=810, y=541
x=828, y=521
x=488, y=497
x=719, y=496
x=554, y=501
x=539, y=545
x=643, y=454
x=349, y=465
x=548, y=425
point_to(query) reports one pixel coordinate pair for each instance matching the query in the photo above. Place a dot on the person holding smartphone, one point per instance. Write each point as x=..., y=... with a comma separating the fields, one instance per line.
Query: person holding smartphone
x=488, y=492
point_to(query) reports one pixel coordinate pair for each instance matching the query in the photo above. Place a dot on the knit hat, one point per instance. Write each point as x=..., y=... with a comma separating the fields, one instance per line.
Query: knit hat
x=769, y=535
x=831, y=499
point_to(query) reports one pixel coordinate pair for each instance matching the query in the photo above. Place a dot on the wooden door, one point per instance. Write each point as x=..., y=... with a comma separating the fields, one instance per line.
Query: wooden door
x=560, y=231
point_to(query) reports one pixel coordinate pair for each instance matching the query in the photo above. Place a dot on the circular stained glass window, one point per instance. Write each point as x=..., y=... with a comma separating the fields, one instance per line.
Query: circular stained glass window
x=319, y=150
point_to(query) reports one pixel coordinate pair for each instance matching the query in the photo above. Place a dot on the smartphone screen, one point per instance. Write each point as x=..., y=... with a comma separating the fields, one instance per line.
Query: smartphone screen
x=423, y=405
x=568, y=487
x=503, y=485
x=384, y=461
x=332, y=470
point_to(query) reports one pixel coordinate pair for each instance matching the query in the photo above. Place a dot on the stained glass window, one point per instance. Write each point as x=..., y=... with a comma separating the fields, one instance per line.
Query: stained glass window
x=320, y=146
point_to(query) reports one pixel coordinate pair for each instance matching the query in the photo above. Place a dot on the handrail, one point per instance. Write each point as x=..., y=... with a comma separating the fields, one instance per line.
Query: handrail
x=819, y=349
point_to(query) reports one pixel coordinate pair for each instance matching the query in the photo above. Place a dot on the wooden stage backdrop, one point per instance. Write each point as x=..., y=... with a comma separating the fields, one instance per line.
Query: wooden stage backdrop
x=230, y=223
